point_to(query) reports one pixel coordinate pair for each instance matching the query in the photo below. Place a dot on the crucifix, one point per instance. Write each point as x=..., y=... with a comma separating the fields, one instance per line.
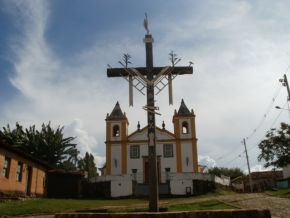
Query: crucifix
x=150, y=78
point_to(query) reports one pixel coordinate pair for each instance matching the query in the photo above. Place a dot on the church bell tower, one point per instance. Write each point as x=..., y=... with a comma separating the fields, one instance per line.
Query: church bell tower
x=116, y=138
x=186, y=141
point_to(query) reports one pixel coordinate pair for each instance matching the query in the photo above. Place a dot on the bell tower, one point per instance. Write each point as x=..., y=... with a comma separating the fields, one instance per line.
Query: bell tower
x=116, y=138
x=186, y=141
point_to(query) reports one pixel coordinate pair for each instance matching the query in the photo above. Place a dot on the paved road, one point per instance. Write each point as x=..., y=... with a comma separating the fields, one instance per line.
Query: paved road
x=279, y=207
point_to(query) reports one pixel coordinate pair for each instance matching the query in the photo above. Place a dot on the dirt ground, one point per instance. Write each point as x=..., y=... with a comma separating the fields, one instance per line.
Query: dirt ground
x=279, y=207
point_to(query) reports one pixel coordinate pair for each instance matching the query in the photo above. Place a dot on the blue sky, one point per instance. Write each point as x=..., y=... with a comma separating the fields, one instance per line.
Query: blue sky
x=54, y=54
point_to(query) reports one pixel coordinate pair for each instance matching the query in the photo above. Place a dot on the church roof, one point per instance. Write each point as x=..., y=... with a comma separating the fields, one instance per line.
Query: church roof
x=117, y=112
x=183, y=110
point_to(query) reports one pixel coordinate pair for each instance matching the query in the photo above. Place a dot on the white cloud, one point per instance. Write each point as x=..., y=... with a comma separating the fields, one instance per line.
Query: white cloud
x=207, y=161
x=259, y=168
x=239, y=49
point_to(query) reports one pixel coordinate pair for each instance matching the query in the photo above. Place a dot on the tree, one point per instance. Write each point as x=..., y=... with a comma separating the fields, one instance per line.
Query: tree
x=275, y=148
x=88, y=164
x=48, y=144
x=230, y=172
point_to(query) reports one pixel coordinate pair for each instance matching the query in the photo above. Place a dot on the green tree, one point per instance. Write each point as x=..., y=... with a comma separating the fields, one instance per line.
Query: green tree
x=88, y=164
x=275, y=148
x=47, y=144
x=230, y=172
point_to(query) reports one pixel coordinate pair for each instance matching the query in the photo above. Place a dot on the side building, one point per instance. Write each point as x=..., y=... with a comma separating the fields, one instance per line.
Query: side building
x=20, y=174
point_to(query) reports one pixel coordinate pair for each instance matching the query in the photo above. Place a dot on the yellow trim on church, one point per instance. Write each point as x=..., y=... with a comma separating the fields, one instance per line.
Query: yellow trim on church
x=178, y=144
x=124, y=147
x=194, y=146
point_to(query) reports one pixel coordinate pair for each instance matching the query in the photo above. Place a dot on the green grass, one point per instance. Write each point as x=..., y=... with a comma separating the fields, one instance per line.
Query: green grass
x=51, y=206
x=206, y=205
x=280, y=193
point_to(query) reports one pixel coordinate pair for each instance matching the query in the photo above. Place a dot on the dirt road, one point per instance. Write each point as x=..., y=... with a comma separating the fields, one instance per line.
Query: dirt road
x=279, y=207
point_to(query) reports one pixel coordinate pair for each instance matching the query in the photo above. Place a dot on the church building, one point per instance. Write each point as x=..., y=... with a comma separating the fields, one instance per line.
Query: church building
x=127, y=154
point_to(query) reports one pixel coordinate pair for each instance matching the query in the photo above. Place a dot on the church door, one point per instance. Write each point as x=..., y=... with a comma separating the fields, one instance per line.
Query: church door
x=146, y=170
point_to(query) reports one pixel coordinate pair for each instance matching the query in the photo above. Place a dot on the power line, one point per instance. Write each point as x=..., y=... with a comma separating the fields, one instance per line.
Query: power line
x=272, y=125
x=265, y=115
x=276, y=93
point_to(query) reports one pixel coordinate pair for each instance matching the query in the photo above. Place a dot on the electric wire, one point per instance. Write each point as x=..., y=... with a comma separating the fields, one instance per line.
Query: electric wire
x=265, y=115
x=270, y=106
x=271, y=126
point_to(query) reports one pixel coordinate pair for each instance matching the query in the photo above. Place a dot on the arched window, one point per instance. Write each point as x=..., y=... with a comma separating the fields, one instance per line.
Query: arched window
x=116, y=131
x=184, y=127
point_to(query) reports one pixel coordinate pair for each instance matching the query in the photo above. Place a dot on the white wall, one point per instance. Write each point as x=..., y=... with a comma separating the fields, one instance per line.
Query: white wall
x=116, y=156
x=163, y=135
x=223, y=180
x=120, y=185
x=178, y=187
x=186, y=152
x=179, y=181
x=142, y=135
x=121, y=188
x=286, y=171
x=167, y=162
x=138, y=136
x=137, y=163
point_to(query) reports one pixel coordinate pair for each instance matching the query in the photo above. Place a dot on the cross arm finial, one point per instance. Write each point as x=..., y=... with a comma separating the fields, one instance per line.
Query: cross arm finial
x=146, y=24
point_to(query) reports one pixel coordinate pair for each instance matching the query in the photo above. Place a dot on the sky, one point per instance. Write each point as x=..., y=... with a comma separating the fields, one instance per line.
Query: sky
x=54, y=56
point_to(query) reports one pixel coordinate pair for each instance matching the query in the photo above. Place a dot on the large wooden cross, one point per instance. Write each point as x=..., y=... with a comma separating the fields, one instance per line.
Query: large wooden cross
x=150, y=77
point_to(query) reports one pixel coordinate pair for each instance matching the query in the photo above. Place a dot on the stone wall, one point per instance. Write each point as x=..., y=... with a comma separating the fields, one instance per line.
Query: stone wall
x=196, y=214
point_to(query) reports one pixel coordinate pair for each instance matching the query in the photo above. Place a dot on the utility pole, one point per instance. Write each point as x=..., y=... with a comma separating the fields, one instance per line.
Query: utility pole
x=150, y=77
x=249, y=171
x=285, y=83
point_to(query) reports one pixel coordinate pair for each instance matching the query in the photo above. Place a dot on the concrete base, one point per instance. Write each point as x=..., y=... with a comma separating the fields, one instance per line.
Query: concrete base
x=243, y=213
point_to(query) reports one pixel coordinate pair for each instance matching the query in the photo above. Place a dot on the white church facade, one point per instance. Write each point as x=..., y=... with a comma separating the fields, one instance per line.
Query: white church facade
x=128, y=153
x=177, y=160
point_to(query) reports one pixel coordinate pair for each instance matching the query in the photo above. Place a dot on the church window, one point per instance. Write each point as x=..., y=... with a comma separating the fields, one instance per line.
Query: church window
x=168, y=150
x=185, y=127
x=116, y=131
x=134, y=151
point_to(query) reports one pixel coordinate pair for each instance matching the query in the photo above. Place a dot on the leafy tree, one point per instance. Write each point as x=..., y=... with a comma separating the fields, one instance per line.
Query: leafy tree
x=48, y=144
x=68, y=166
x=88, y=164
x=275, y=148
x=230, y=172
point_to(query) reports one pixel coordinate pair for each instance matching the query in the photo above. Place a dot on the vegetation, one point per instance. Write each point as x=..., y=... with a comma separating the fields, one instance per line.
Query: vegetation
x=51, y=206
x=48, y=144
x=88, y=164
x=275, y=148
x=205, y=205
x=230, y=172
x=284, y=193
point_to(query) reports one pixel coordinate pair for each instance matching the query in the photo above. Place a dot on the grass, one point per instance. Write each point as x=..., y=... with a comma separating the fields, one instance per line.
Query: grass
x=205, y=205
x=51, y=206
x=285, y=193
